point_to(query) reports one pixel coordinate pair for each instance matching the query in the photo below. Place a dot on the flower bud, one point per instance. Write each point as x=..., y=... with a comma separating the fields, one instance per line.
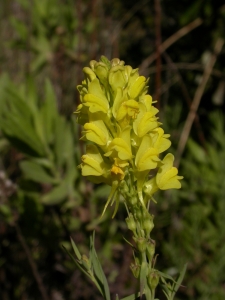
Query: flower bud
x=137, y=87
x=123, y=187
x=117, y=78
x=101, y=70
x=133, y=200
x=115, y=62
x=153, y=280
x=150, y=187
x=148, y=224
x=138, y=214
x=135, y=268
x=141, y=243
x=150, y=249
x=89, y=73
x=92, y=64
x=131, y=224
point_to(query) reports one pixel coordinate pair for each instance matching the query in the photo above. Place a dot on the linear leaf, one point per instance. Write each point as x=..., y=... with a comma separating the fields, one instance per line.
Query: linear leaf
x=75, y=249
x=98, y=271
x=179, y=280
x=131, y=297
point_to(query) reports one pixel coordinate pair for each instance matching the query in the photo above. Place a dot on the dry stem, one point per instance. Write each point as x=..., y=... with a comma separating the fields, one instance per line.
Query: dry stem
x=196, y=101
x=167, y=43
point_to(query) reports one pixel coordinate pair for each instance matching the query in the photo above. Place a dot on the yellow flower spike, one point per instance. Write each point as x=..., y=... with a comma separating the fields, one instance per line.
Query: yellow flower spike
x=137, y=87
x=117, y=78
x=92, y=162
x=147, y=156
x=96, y=132
x=118, y=116
x=160, y=140
x=167, y=177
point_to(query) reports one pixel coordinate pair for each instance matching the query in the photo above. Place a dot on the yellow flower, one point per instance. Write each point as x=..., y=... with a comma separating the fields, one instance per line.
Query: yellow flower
x=96, y=132
x=92, y=162
x=146, y=120
x=101, y=70
x=120, y=147
x=127, y=112
x=167, y=177
x=95, y=99
x=147, y=156
x=128, y=108
x=160, y=140
x=137, y=87
x=117, y=78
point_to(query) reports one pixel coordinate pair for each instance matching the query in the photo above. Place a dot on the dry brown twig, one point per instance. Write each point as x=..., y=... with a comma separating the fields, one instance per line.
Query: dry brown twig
x=125, y=19
x=187, y=66
x=196, y=101
x=167, y=43
x=187, y=97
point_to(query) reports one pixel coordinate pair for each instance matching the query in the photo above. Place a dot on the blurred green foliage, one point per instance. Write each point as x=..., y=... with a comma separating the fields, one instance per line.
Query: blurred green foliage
x=43, y=199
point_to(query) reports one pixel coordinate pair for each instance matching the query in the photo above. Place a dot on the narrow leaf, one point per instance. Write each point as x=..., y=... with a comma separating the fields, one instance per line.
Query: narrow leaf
x=131, y=297
x=36, y=172
x=98, y=271
x=179, y=280
x=75, y=249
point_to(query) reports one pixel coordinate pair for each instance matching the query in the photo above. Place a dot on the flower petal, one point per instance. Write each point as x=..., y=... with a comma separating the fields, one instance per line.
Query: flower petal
x=96, y=132
x=95, y=103
x=92, y=162
x=123, y=149
x=137, y=87
x=147, y=156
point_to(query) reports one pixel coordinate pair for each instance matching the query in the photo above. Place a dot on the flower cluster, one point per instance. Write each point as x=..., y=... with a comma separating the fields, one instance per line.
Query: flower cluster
x=119, y=119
